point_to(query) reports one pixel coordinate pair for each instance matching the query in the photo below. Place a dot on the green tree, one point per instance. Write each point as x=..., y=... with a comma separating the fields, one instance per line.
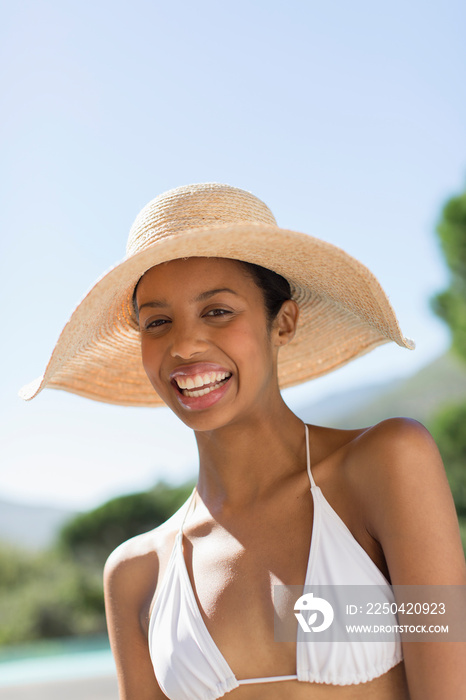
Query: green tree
x=449, y=426
x=450, y=304
x=92, y=536
x=44, y=595
x=449, y=430
x=58, y=593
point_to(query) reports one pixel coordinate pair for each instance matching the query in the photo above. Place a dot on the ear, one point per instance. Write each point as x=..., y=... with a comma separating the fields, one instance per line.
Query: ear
x=286, y=323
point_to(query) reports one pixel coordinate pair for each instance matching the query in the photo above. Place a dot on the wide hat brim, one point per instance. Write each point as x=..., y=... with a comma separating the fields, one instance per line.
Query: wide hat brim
x=344, y=312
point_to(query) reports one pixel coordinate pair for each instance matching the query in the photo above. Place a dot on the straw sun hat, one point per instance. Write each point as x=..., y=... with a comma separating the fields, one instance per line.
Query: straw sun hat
x=344, y=312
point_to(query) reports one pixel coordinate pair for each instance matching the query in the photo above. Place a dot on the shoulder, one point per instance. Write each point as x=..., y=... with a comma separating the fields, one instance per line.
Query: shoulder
x=397, y=457
x=132, y=569
x=385, y=450
x=400, y=437
x=395, y=452
x=128, y=563
x=130, y=579
x=131, y=574
x=395, y=471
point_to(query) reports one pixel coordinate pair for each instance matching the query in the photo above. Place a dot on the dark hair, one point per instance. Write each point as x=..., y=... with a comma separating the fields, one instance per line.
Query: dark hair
x=135, y=305
x=275, y=288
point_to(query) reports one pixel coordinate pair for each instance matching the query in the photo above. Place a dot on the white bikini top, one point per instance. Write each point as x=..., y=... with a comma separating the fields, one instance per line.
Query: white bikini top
x=187, y=663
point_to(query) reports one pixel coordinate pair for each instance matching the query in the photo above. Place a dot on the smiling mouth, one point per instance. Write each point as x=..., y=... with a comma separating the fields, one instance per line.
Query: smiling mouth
x=200, y=384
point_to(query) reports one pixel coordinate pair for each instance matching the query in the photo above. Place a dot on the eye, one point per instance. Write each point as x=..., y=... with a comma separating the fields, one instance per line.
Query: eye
x=156, y=323
x=218, y=312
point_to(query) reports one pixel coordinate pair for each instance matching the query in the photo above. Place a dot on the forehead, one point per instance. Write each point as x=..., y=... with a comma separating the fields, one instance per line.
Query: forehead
x=193, y=273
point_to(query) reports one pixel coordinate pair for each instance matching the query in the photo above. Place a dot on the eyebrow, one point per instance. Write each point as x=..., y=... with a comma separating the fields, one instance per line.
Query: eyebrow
x=158, y=304
x=211, y=292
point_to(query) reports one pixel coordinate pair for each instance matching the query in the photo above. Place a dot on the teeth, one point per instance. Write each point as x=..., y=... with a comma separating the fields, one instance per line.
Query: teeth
x=202, y=392
x=195, y=381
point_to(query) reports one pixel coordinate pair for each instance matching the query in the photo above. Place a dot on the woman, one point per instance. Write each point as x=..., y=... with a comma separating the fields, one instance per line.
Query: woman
x=224, y=307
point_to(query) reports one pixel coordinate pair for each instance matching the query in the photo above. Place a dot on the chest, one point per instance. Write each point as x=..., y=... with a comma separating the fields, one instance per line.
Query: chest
x=233, y=567
x=232, y=573
x=220, y=585
x=252, y=552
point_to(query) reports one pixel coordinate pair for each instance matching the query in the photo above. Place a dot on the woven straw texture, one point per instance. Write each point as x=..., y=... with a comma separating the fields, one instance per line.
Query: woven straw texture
x=344, y=312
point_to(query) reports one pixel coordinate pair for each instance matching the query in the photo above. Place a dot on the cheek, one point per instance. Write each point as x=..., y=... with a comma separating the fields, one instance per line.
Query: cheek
x=150, y=356
x=252, y=346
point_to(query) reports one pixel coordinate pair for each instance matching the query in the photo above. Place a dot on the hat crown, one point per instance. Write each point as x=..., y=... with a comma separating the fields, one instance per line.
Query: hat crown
x=192, y=207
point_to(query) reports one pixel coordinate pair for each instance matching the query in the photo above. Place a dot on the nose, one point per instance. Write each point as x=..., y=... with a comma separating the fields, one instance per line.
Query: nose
x=187, y=341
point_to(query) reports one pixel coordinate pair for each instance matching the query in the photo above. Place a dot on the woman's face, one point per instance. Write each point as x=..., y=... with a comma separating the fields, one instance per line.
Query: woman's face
x=207, y=346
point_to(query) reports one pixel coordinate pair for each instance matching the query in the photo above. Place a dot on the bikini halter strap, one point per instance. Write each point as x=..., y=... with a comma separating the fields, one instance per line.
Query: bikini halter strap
x=308, y=459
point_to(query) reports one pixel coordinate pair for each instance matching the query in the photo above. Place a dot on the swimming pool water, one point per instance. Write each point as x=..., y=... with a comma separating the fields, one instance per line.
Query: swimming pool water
x=65, y=659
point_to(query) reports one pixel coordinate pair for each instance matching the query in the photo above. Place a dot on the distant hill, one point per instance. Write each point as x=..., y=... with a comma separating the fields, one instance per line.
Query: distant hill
x=419, y=396
x=29, y=526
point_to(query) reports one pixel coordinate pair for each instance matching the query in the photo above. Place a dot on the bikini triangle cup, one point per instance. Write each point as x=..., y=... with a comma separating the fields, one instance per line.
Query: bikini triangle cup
x=187, y=663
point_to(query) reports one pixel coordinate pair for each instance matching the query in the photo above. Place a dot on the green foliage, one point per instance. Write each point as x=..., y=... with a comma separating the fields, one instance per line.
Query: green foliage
x=462, y=522
x=449, y=426
x=449, y=431
x=59, y=593
x=450, y=304
x=45, y=596
x=92, y=536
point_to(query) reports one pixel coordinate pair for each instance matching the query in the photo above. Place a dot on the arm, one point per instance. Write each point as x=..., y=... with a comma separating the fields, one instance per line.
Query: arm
x=130, y=576
x=410, y=511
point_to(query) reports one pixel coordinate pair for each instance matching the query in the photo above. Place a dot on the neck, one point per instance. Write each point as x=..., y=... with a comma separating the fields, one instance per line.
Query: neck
x=239, y=463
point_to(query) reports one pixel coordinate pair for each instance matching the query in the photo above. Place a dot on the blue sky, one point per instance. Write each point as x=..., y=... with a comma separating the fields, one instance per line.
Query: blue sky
x=347, y=119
